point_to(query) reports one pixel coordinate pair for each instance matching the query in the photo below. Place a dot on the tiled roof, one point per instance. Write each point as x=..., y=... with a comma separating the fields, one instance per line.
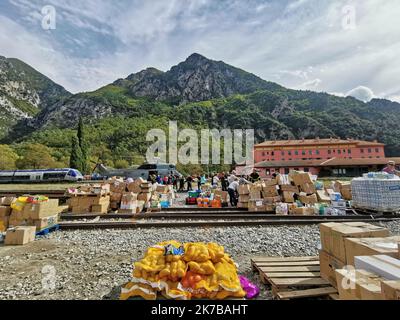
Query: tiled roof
x=325, y=163
x=313, y=142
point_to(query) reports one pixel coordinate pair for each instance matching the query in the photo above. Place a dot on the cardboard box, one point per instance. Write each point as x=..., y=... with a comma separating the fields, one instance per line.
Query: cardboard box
x=162, y=189
x=117, y=187
x=323, y=196
x=101, y=200
x=308, y=188
x=5, y=211
x=7, y=201
x=358, y=285
x=255, y=195
x=303, y=211
x=270, y=200
x=288, y=197
x=269, y=191
x=370, y=247
x=244, y=198
x=144, y=197
x=223, y=194
x=258, y=209
x=4, y=223
x=44, y=223
x=384, y=266
x=344, y=188
x=329, y=264
x=100, y=189
x=100, y=208
x=244, y=189
x=271, y=182
x=256, y=205
x=243, y=205
x=312, y=199
x=42, y=209
x=115, y=197
x=20, y=236
x=347, y=291
x=300, y=178
x=134, y=187
x=333, y=236
x=390, y=290
x=290, y=188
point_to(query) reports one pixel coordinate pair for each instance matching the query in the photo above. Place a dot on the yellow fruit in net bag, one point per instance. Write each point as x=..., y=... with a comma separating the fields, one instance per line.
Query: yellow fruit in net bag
x=216, y=252
x=197, y=252
x=204, y=268
x=182, y=272
x=138, y=290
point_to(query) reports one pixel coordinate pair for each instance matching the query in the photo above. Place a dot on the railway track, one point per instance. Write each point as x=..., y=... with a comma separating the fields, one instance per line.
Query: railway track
x=264, y=221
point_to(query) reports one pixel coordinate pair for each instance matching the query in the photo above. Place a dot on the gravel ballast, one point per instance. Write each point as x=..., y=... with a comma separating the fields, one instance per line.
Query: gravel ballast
x=94, y=264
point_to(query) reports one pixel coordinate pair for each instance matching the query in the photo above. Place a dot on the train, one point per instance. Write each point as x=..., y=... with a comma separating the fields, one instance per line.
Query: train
x=37, y=176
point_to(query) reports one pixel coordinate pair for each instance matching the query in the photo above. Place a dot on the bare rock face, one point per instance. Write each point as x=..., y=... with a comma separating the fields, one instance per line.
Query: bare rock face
x=196, y=79
x=24, y=92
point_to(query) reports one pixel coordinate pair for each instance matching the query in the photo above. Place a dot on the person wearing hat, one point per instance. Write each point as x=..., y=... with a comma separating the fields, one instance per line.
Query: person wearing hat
x=391, y=168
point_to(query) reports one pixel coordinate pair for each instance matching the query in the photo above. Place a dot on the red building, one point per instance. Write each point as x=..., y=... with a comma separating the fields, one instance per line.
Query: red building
x=317, y=149
x=323, y=157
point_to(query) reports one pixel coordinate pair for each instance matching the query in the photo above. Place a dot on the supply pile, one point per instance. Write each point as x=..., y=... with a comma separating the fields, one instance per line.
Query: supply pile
x=294, y=194
x=208, y=197
x=131, y=197
x=38, y=211
x=185, y=271
x=5, y=212
x=361, y=261
x=377, y=191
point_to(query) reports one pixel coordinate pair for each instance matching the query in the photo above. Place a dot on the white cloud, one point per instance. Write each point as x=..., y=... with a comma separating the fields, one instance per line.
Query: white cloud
x=361, y=93
x=298, y=43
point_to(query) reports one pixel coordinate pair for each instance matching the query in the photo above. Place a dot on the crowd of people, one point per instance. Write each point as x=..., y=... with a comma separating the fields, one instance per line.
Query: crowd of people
x=226, y=181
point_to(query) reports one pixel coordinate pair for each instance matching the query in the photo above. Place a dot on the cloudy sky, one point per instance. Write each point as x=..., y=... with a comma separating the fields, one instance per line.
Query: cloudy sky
x=338, y=46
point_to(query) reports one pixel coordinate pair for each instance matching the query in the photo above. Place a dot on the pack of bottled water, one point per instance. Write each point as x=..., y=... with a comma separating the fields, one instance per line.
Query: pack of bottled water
x=376, y=191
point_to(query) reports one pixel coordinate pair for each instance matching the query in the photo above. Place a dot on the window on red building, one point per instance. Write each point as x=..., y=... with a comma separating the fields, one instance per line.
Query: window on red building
x=362, y=150
x=272, y=153
x=377, y=150
x=283, y=153
x=369, y=150
x=289, y=153
x=296, y=153
x=349, y=151
x=303, y=152
x=329, y=151
x=317, y=152
x=263, y=154
x=339, y=151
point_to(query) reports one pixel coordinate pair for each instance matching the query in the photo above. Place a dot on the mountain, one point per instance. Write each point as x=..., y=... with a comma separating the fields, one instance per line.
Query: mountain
x=202, y=93
x=196, y=79
x=24, y=92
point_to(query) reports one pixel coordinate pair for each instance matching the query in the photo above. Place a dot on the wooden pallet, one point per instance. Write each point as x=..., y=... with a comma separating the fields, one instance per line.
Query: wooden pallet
x=293, y=277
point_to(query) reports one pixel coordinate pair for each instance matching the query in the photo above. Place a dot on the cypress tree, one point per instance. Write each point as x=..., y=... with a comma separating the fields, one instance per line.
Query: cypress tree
x=75, y=161
x=83, y=146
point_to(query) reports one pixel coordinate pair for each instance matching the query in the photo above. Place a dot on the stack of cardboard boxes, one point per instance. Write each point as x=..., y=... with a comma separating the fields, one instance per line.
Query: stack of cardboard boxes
x=121, y=196
x=41, y=215
x=344, y=188
x=337, y=250
x=90, y=198
x=130, y=203
x=5, y=212
x=244, y=196
x=373, y=278
x=117, y=189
